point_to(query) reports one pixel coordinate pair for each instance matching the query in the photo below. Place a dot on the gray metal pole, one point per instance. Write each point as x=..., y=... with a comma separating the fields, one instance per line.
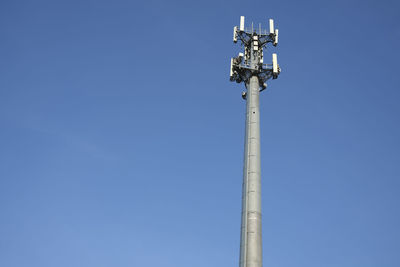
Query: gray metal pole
x=251, y=238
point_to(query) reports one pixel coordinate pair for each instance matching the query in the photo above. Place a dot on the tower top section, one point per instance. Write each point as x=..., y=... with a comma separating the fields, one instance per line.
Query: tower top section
x=250, y=62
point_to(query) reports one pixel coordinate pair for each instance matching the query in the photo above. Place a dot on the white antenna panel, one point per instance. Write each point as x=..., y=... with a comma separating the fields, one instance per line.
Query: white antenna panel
x=276, y=37
x=231, y=73
x=242, y=23
x=235, y=34
x=274, y=63
x=271, y=26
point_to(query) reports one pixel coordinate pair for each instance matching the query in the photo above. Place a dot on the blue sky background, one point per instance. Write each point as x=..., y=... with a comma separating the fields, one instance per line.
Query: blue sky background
x=121, y=137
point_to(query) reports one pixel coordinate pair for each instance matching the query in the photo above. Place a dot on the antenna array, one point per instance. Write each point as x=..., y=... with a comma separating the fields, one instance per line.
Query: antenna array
x=251, y=62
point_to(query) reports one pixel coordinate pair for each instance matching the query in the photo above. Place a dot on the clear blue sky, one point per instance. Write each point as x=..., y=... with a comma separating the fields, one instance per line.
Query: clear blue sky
x=121, y=139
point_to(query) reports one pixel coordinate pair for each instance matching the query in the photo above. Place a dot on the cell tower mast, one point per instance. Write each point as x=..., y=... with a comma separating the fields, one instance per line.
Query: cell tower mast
x=249, y=67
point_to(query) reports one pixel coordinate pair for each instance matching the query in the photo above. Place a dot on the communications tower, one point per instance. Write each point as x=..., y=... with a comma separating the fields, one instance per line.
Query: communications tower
x=249, y=67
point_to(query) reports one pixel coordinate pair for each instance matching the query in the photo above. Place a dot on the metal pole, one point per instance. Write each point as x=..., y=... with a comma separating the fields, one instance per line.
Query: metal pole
x=251, y=237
